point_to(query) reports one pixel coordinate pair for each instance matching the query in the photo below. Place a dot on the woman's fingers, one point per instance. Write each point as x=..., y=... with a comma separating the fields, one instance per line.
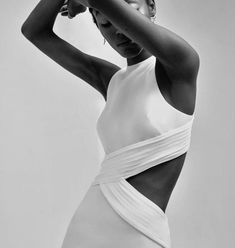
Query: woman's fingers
x=71, y=10
x=75, y=8
x=63, y=9
x=70, y=16
x=64, y=13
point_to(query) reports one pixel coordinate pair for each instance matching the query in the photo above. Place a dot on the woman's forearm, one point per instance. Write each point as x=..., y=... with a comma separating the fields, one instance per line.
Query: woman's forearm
x=172, y=50
x=42, y=18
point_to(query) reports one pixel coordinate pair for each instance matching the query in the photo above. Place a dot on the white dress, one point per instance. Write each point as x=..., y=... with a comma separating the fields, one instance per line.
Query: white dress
x=113, y=214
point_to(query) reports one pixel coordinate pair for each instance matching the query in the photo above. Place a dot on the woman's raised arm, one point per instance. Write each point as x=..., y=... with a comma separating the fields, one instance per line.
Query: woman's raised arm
x=179, y=59
x=42, y=18
x=38, y=29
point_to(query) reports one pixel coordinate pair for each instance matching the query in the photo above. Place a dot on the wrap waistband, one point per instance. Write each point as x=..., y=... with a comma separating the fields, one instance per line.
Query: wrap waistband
x=128, y=202
x=135, y=158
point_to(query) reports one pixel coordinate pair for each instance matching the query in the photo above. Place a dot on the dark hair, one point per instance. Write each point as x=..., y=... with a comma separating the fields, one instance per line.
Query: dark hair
x=94, y=20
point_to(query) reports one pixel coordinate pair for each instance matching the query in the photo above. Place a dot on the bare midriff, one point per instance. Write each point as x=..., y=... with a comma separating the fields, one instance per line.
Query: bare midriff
x=158, y=182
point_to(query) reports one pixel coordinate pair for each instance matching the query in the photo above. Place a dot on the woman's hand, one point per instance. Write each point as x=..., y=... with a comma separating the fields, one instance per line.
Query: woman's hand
x=71, y=8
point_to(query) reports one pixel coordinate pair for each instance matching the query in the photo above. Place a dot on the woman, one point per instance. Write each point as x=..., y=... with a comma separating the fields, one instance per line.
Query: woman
x=145, y=127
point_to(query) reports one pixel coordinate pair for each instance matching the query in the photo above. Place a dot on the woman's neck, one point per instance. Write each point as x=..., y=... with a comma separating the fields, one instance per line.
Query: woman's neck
x=139, y=58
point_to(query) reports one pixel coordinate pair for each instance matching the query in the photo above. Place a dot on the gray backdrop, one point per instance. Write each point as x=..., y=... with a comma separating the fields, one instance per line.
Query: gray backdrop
x=49, y=148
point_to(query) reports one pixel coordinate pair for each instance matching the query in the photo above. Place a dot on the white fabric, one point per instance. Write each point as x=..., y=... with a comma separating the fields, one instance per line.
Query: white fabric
x=113, y=213
x=96, y=224
x=129, y=203
x=135, y=108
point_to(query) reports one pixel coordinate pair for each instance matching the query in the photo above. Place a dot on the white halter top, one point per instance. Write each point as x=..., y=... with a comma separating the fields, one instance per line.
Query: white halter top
x=139, y=129
x=135, y=109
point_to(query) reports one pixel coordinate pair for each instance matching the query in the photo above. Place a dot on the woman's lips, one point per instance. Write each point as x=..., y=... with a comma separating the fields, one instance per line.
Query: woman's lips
x=124, y=43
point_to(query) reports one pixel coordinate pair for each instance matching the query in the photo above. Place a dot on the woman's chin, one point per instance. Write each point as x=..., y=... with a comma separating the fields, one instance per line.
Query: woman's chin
x=130, y=51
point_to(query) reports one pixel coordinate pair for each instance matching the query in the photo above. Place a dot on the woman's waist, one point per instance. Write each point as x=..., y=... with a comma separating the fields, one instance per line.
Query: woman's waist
x=138, y=157
x=158, y=182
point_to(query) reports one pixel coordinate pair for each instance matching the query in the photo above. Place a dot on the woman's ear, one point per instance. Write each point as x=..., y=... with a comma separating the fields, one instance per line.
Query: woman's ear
x=152, y=7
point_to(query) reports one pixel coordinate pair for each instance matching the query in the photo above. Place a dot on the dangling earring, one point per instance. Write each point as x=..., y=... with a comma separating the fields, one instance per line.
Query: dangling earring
x=153, y=19
x=104, y=41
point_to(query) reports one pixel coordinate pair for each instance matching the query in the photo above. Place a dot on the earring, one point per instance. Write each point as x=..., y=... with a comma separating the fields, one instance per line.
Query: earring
x=153, y=18
x=104, y=41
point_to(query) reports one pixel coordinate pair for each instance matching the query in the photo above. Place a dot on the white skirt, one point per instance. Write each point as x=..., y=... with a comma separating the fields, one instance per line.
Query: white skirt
x=113, y=214
x=96, y=224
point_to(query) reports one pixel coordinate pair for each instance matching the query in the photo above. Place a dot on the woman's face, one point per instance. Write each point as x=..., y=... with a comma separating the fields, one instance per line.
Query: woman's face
x=114, y=37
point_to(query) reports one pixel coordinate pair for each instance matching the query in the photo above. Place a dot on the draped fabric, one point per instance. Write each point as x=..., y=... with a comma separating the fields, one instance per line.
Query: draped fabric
x=113, y=213
x=129, y=203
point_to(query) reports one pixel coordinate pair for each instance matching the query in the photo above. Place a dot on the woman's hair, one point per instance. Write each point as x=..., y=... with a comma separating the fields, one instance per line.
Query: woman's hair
x=94, y=20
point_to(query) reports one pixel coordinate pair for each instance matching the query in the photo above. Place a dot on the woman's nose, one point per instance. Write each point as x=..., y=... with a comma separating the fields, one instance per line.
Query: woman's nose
x=118, y=33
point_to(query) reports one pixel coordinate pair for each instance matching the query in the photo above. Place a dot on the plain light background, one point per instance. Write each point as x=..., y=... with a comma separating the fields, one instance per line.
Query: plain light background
x=49, y=148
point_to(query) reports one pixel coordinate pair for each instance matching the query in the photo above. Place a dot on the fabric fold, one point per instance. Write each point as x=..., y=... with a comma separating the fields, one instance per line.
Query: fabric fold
x=128, y=202
x=138, y=211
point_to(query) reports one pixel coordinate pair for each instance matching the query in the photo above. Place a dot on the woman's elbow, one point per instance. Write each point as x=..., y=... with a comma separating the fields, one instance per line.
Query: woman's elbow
x=26, y=31
x=30, y=33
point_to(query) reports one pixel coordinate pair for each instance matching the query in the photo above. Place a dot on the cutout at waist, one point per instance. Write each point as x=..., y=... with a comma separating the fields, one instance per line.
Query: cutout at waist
x=135, y=158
